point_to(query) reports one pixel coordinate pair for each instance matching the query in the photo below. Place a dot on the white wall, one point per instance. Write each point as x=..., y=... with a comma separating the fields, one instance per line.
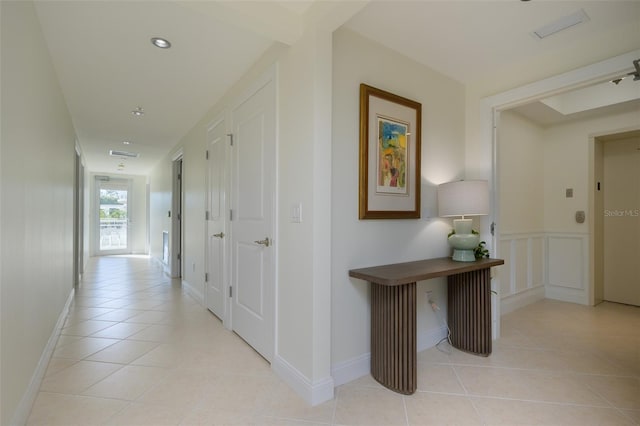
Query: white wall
x=566, y=157
x=521, y=174
x=38, y=150
x=160, y=205
x=520, y=186
x=360, y=243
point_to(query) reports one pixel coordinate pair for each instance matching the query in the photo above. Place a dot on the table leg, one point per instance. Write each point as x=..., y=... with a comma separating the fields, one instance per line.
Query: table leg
x=393, y=336
x=469, y=311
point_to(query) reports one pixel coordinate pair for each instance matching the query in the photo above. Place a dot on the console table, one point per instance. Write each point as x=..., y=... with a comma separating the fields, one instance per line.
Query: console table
x=393, y=313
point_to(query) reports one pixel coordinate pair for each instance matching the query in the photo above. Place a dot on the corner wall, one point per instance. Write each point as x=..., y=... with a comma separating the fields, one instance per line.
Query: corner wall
x=520, y=187
x=37, y=181
x=360, y=243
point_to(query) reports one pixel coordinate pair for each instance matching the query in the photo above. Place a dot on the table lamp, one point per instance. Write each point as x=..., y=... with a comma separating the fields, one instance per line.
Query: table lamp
x=463, y=198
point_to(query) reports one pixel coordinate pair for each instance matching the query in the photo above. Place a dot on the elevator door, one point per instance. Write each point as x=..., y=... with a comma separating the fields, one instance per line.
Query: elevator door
x=622, y=221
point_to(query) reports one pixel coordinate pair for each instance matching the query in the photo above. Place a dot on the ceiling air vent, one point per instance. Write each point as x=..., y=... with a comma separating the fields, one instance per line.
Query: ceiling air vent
x=116, y=153
x=561, y=24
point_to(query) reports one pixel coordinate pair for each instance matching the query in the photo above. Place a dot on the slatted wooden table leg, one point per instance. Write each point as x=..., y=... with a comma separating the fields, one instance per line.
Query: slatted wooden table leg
x=469, y=311
x=393, y=336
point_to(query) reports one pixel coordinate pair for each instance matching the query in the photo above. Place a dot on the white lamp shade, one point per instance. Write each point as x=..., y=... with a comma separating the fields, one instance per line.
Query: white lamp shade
x=463, y=198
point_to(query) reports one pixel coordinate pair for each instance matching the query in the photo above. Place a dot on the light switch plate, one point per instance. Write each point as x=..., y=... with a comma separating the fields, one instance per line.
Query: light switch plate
x=296, y=213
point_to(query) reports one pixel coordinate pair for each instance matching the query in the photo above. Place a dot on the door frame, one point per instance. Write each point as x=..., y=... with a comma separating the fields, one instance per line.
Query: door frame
x=596, y=202
x=78, y=218
x=490, y=109
x=96, y=181
x=176, y=234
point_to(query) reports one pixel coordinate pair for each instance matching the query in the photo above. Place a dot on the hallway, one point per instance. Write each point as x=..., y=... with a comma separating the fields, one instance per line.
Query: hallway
x=136, y=350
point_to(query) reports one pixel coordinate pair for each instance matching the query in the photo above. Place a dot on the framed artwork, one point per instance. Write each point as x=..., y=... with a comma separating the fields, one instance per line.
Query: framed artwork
x=389, y=155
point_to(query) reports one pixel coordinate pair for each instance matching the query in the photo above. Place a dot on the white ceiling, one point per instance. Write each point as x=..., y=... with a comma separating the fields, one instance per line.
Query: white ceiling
x=107, y=66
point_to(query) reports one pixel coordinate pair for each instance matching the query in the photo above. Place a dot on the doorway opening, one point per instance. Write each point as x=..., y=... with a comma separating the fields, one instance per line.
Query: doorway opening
x=78, y=220
x=113, y=215
x=176, y=218
x=617, y=217
x=491, y=108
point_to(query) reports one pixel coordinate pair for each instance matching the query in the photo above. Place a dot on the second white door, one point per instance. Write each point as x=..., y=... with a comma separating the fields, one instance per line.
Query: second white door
x=216, y=219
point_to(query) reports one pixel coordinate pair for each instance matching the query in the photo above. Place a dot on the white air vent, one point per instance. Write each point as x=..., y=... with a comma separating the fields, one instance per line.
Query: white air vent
x=561, y=24
x=116, y=153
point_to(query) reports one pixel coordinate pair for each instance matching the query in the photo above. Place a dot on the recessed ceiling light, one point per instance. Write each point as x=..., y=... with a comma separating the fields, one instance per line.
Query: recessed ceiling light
x=126, y=142
x=160, y=42
x=138, y=112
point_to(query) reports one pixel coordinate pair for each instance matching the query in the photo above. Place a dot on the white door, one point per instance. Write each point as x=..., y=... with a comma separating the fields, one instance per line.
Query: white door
x=253, y=205
x=216, y=219
x=622, y=221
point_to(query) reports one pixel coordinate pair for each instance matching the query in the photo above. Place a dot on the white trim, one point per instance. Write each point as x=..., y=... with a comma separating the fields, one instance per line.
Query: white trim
x=523, y=298
x=164, y=266
x=563, y=82
x=430, y=338
x=176, y=235
x=178, y=154
x=313, y=392
x=560, y=291
x=29, y=397
x=352, y=369
x=193, y=292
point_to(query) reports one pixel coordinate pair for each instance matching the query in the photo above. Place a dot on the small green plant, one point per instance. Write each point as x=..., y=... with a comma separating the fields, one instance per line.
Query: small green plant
x=480, y=251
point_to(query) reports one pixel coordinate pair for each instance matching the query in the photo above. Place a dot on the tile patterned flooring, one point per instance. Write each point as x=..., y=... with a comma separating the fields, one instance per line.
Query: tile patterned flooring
x=136, y=350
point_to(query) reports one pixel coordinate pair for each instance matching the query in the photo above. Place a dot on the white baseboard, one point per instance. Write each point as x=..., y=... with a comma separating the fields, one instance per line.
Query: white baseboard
x=314, y=393
x=566, y=294
x=193, y=292
x=524, y=298
x=24, y=408
x=164, y=266
x=430, y=338
x=347, y=371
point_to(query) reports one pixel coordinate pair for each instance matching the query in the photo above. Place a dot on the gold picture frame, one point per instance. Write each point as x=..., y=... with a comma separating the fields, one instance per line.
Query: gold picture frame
x=390, y=139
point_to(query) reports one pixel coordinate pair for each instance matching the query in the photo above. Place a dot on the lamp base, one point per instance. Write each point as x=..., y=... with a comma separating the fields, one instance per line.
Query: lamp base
x=464, y=243
x=463, y=255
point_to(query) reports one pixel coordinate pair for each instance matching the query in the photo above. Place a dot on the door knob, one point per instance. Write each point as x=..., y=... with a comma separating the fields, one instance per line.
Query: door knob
x=220, y=235
x=264, y=242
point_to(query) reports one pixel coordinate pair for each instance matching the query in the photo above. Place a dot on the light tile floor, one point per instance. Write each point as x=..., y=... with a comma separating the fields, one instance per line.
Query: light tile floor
x=136, y=350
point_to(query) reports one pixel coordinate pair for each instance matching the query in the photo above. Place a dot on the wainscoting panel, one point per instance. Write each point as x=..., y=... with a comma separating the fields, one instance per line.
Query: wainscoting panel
x=521, y=256
x=568, y=267
x=522, y=275
x=537, y=265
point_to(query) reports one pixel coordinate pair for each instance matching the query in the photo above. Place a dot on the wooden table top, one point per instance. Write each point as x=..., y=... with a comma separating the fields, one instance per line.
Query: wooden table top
x=409, y=272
